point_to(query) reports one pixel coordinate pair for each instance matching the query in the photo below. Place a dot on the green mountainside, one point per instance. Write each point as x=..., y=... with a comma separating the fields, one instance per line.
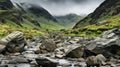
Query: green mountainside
x=41, y=16
x=106, y=10
x=105, y=17
x=35, y=20
x=95, y=30
x=26, y=19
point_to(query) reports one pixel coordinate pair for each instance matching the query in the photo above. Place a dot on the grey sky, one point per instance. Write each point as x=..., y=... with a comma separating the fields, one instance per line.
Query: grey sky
x=62, y=7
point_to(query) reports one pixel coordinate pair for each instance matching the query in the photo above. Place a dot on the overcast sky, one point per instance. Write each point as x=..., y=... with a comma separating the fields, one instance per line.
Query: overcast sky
x=62, y=7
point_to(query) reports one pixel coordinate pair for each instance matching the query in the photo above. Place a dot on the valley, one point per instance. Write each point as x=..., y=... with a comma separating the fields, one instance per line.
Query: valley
x=32, y=36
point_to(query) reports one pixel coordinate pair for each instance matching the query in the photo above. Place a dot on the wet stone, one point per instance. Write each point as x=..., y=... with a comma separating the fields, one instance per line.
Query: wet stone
x=45, y=62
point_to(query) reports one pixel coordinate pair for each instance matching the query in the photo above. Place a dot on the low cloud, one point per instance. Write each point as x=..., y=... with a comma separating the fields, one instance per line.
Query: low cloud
x=62, y=7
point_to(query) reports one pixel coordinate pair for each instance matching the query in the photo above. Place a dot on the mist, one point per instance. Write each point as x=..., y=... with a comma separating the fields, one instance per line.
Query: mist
x=63, y=7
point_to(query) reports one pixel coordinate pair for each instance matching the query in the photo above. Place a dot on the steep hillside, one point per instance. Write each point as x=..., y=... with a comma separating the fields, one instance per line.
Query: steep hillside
x=105, y=17
x=10, y=15
x=26, y=15
x=12, y=19
x=25, y=20
x=36, y=10
x=68, y=20
x=107, y=9
x=38, y=14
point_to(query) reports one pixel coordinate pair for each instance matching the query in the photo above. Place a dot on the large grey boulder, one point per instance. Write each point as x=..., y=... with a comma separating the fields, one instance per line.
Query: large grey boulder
x=72, y=51
x=14, y=42
x=108, y=44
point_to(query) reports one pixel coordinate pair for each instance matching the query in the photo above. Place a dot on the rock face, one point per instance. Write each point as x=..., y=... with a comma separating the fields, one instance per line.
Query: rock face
x=107, y=9
x=108, y=44
x=15, y=42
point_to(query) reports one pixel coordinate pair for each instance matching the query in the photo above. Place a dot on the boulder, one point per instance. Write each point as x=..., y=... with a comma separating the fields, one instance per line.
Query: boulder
x=48, y=45
x=57, y=37
x=96, y=60
x=44, y=62
x=72, y=51
x=108, y=44
x=14, y=42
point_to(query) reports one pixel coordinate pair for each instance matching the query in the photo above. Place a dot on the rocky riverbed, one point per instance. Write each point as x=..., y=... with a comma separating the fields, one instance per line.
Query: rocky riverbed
x=56, y=50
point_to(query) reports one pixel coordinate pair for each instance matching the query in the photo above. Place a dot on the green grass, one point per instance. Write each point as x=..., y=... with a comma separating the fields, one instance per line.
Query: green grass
x=29, y=33
x=2, y=11
x=11, y=23
x=28, y=29
x=95, y=30
x=50, y=25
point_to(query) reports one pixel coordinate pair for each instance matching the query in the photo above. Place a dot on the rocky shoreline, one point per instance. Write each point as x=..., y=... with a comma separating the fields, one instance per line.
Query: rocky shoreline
x=56, y=50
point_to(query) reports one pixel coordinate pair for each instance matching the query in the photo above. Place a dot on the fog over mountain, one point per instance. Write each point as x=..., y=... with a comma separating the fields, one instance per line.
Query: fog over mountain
x=62, y=7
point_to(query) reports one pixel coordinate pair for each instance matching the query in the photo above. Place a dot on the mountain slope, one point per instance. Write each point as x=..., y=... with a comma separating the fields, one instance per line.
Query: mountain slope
x=68, y=20
x=9, y=13
x=26, y=15
x=12, y=19
x=105, y=17
x=18, y=19
x=40, y=15
x=107, y=9
x=36, y=10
